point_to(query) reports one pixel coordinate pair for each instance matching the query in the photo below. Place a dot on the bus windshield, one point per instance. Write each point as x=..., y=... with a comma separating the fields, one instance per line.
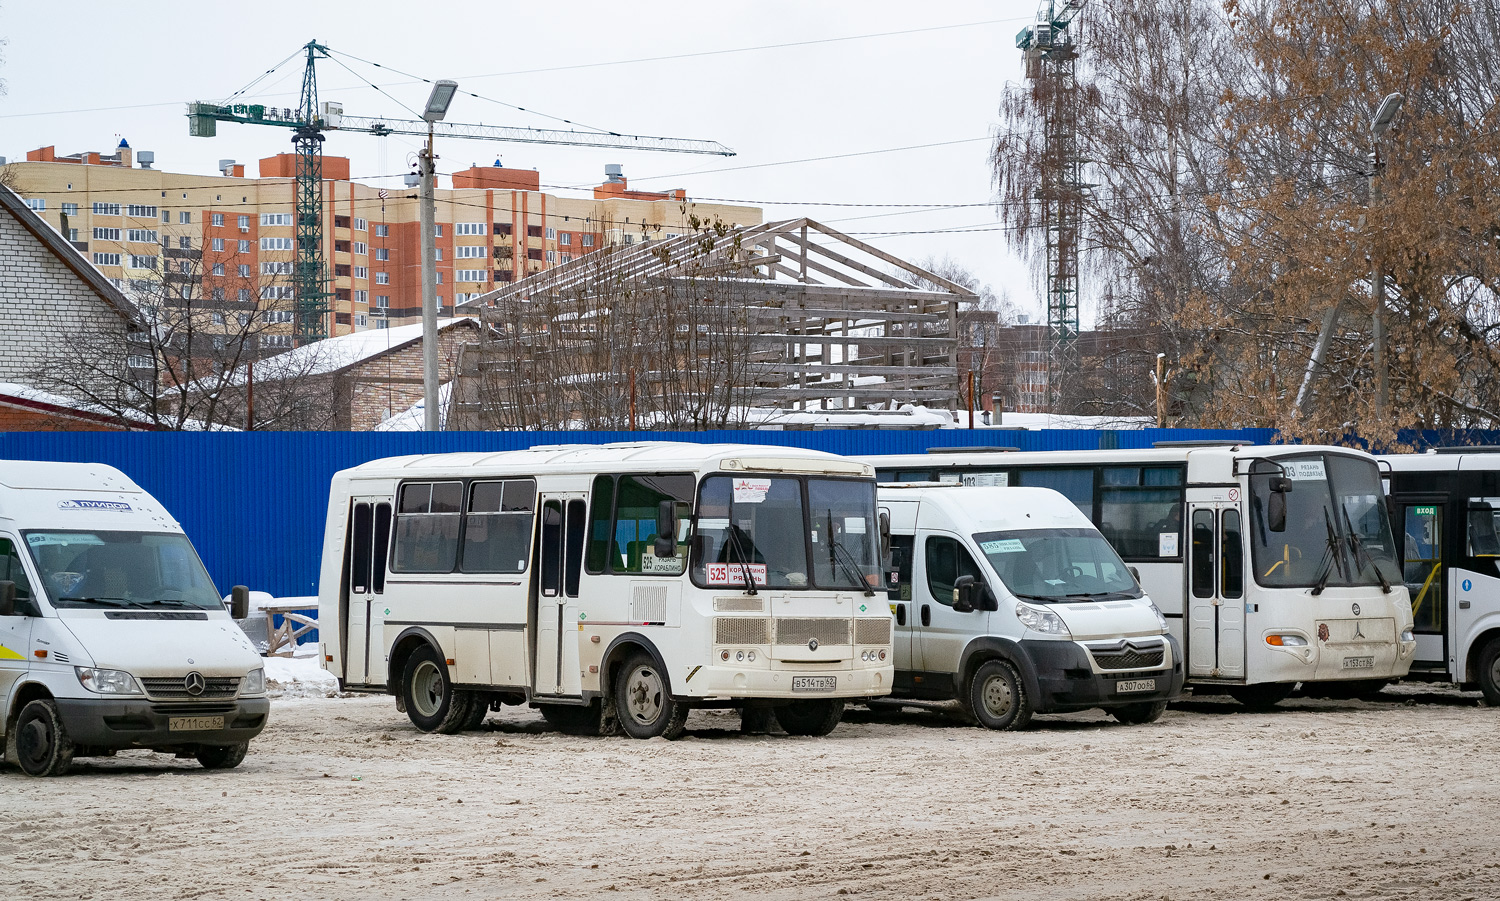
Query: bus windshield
x=1337, y=530
x=121, y=569
x=761, y=529
x=1057, y=565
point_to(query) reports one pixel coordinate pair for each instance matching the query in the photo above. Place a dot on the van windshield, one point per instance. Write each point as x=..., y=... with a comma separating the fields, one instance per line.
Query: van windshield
x=1057, y=565
x=121, y=569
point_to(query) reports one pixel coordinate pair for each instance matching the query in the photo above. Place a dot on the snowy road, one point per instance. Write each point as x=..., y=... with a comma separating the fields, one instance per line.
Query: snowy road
x=342, y=798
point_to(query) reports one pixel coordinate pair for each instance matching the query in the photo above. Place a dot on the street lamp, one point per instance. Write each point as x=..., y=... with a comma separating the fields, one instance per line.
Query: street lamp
x=437, y=107
x=1385, y=114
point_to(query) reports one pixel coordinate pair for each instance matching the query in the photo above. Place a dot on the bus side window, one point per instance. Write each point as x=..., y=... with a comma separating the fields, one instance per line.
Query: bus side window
x=1203, y=553
x=427, y=527
x=1231, y=556
x=603, y=500
x=899, y=588
x=382, y=546
x=552, y=552
x=11, y=570
x=359, y=551
x=1483, y=538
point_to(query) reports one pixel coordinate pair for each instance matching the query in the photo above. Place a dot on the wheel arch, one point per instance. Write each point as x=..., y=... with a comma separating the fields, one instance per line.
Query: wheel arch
x=615, y=654
x=995, y=647
x=406, y=644
x=21, y=695
x=1477, y=647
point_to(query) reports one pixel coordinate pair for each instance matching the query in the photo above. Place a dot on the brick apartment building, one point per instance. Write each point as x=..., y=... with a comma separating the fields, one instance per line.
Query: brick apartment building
x=228, y=239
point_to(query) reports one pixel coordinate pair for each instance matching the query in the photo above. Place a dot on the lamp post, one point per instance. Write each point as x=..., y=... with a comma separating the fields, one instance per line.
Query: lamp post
x=1379, y=125
x=437, y=107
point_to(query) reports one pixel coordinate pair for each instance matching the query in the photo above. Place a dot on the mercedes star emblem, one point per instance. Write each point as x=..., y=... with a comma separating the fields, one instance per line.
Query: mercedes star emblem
x=194, y=683
x=812, y=644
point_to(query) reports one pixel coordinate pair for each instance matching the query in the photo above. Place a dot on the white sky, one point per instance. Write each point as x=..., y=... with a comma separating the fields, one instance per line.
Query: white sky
x=83, y=74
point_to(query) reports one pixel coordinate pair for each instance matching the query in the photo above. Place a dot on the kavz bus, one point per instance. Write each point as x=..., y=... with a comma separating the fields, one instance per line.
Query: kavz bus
x=1273, y=565
x=610, y=586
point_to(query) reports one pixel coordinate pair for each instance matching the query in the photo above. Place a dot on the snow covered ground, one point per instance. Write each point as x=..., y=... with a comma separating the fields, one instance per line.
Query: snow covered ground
x=300, y=676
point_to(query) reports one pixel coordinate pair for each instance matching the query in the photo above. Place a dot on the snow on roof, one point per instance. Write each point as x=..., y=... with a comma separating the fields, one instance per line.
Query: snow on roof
x=414, y=417
x=31, y=395
x=334, y=354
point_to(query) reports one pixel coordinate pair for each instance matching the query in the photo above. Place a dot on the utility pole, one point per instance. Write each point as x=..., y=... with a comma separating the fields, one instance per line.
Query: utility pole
x=437, y=108
x=1379, y=125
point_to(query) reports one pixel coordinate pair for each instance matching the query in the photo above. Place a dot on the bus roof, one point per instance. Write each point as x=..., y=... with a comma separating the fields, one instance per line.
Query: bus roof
x=1219, y=453
x=1451, y=460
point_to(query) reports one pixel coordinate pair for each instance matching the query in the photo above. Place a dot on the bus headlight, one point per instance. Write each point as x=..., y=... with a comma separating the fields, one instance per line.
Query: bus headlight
x=1286, y=641
x=107, y=681
x=255, y=682
x=1159, y=617
x=1039, y=620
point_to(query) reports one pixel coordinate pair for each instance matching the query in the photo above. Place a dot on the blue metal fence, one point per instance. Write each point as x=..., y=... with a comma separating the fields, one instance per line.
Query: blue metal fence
x=253, y=503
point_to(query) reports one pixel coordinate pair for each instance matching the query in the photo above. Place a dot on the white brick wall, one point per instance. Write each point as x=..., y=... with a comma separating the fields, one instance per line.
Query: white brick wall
x=42, y=302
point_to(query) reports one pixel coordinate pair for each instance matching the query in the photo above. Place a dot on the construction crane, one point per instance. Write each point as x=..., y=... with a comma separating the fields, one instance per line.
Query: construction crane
x=1051, y=51
x=310, y=120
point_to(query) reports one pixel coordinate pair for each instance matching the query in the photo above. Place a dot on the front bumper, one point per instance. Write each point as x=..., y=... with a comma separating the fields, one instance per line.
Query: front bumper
x=1066, y=679
x=734, y=682
x=117, y=723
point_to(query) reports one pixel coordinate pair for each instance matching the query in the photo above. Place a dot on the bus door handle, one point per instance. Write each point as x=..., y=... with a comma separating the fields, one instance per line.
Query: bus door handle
x=926, y=614
x=1463, y=605
x=900, y=614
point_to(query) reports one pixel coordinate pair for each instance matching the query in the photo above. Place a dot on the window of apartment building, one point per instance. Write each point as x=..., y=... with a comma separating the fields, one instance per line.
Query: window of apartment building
x=140, y=211
x=340, y=246
x=340, y=270
x=218, y=220
x=502, y=275
x=218, y=245
x=588, y=240
x=218, y=318
x=551, y=234
x=106, y=259
x=106, y=209
x=276, y=268
x=361, y=272
x=70, y=209
x=382, y=231
x=275, y=243
x=185, y=243
x=361, y=248
x=565, y=239
x=184, y=267
x=184, y=218
x=533, y=231
x=382, y=253
x=361, y=320
x=244, y=294
x=502, y=228
x=382, y=278
x=469, y=252
x=243, y=319
x=275, y=340
x=219, y=269
x=106, y=234
x=341, y=293
x=468, y=228
x=140, y=262
x=141, y=235
x=219, y=294
x=340, y=221
x=276, y=292
x=166, y=215
x=244, y=247
x=275, y=219
x=361, y=296
x=72, y=234
x=534, y=253
x=567, y=258
x=439, y=278
x=361, y=225
x=552, y=256
x=138, y=361
x=244, y=223
x=244, y=270
x=274, y=316
x=437, y=229
x=382, y=301
x=439, y=252
x=381, y=323
x=469, y=275
x=36, y=204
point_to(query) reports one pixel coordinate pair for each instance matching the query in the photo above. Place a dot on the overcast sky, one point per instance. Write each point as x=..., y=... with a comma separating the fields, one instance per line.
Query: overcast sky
x=848, y=78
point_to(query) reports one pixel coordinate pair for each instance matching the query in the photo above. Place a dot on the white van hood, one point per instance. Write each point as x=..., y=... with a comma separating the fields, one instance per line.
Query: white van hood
x=163, y=647
x=1091, y=620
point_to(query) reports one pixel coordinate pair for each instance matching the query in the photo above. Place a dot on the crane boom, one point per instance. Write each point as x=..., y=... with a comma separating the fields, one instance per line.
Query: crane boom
x=377, y=126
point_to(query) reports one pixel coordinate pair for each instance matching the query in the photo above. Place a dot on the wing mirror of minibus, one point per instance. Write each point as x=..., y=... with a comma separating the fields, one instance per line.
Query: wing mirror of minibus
x=666, y=529
x=239, y=602
x=885, y=534
x=7, y=598
x=963, y=594
x=1135, y=574
x=1276, y=503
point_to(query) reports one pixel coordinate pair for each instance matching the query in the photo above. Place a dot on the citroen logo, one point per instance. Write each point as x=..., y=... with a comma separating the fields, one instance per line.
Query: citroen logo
x=812, y=644
x=1355, y=608
x=194, y=683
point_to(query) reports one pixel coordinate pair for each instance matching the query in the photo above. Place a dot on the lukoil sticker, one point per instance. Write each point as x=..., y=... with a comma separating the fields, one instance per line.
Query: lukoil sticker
x=104, y=506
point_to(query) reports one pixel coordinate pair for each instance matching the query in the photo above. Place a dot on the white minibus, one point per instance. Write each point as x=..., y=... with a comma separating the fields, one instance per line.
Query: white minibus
x=1010, y=601
x=611, y=586
x=1273, y=565
x=112, y=635
x=1446, y=506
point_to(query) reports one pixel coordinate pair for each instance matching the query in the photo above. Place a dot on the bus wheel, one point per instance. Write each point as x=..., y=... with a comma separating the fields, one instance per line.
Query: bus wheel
x=222, y=757
x=756, y=720
x=573, y=720
x=643, y=701
x=1489, y=672
x=1263, y=696
x=1139, y=714
x=431, y=701
x=42, y=746
x=998, y=697
x=810, y=717
x=479, y=708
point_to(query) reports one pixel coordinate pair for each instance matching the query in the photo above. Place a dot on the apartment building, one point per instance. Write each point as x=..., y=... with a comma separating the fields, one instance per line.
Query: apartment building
x=227, y=240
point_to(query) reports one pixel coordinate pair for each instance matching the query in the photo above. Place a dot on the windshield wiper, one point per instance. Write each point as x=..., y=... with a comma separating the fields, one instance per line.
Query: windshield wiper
x=739, y=551
x=846, y=562
x=123, y=602
x=1036, y=597
x=1357, y=545
x=1331, y=556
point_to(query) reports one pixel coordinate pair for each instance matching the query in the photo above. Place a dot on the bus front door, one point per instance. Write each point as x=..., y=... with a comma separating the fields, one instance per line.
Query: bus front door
x=1422, y=569
x=554, y=606
x=364, y=568
x=1216, y=596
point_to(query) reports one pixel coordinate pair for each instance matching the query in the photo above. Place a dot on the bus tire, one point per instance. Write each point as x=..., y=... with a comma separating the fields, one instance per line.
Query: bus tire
x=997, y=696
x=818, y=716
x=643, y=700
x=432, y=704
x=1262, y=696
x=479, y=708
x=756, y=720
x=42, y=745
x=1139, y=714
x=569, y=720
x=222, y=757
x=1489, y=672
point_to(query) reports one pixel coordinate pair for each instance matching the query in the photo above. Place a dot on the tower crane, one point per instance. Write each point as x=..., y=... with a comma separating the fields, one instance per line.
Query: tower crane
x=310, y=120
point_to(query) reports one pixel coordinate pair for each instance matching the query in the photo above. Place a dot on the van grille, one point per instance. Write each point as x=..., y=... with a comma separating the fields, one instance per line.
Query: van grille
x=742, y=630
x=1128, y=656
x=172, y=688
x=801, y=630
x=872, y=631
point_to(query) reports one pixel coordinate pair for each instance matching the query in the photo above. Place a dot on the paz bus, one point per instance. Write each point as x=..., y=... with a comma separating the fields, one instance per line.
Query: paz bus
x=1446, y=507
x=611, y=586
x=1273, y=565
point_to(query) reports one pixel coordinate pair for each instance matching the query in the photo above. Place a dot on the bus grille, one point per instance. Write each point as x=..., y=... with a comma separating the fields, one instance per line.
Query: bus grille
x=872, y=631
x=1128, y=657
x=738, y=605
x=801, y=630
x=172, y=688
x=742, y=630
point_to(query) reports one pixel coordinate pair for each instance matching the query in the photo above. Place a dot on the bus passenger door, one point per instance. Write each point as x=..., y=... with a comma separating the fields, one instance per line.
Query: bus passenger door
x=940, y=633
x=365, y=559
x=560, y=542
x=1421, y=537
x=1216, y=592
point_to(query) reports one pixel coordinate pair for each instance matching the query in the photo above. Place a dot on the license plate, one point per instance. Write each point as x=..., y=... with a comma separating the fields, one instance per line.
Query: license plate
x=1359, y=663
x=814, y=683
x=195, y=723
x=1135, y=685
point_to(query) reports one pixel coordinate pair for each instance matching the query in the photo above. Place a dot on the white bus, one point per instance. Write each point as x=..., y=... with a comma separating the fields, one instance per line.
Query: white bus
x=1446, y=507
x=610, y=586
x=1286, y=571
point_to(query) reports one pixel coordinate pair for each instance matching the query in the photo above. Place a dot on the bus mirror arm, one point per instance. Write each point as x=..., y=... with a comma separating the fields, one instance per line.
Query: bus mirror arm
x=7, y=598
x=666, y=529
x=239, y=602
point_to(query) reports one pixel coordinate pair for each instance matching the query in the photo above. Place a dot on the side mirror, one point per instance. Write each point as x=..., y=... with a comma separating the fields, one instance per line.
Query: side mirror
x=885, y=534
x=963, y=594
x=1276, y=512
x=1135, y=574
x=7, y=598
x=666, y=529
x=239, y=602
